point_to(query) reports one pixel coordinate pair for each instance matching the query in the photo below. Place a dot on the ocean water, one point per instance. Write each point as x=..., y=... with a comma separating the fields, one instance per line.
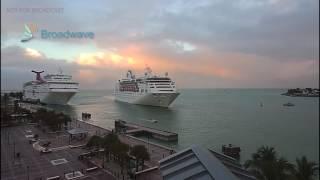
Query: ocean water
x=213, y=117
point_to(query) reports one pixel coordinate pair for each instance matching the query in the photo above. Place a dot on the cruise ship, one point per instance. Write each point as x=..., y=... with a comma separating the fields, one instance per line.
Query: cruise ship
x=51, y=89
x=147, y=90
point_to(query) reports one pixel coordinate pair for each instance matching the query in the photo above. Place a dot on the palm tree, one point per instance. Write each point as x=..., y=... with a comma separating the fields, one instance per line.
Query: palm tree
x=52, y=119
x=40, y=114
x=121, y=151
x=266, y=165
x=112, y=145
x=108, y=141
x=61, y=119
x=5, y=117
x=284, y=169
x=95, y=141
x=141, y=154
x=305, y=170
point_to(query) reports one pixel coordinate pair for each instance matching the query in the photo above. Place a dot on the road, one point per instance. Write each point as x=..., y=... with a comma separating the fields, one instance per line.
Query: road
x=33, y=165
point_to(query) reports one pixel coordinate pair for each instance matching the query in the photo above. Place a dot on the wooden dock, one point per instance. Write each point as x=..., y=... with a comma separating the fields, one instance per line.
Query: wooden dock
x=135, y=129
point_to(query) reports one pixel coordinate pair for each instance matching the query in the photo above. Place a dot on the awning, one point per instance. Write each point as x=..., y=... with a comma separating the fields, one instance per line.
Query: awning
x=77, y=131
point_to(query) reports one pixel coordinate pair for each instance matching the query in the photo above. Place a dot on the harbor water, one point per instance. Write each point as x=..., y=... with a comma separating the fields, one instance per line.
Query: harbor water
x=248, y=118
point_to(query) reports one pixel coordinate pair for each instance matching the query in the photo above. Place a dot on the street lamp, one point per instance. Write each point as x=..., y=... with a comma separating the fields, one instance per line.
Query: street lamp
x=148, y=142
x=8, y=137
x=28, y=171
x=14, y=150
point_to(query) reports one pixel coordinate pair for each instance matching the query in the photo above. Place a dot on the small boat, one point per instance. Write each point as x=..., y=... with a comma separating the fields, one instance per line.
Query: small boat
x=153, y=120
x=288, y=104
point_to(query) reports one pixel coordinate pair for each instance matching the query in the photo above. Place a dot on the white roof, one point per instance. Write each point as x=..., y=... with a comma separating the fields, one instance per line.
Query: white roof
x=77, y=131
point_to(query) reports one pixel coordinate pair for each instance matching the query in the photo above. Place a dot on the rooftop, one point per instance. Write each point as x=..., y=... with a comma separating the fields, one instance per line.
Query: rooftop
x=194, y=163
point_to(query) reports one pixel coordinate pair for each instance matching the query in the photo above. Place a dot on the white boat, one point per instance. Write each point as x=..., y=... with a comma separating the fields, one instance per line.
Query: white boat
x=153, y=120
x=147, y=90
x=288, y=104
x=52, y=89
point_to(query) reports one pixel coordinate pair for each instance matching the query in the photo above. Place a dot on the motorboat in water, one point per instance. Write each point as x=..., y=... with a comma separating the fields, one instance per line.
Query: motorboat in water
x=288, y=104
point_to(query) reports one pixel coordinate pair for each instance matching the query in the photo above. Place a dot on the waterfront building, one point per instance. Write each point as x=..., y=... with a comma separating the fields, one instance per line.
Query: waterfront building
x=201, y=164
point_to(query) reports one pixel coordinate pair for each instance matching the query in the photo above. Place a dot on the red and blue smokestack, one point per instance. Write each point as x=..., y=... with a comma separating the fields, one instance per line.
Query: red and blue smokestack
x=38, y=78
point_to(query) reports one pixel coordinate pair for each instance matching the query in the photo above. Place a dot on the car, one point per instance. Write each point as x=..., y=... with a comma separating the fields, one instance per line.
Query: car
x=29, y=136
x=46, y=150
x=28, y=131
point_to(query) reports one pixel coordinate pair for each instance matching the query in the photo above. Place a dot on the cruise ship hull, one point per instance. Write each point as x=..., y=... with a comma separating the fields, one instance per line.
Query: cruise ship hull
x=52, y=89
x=60, y=98
x=150, y=99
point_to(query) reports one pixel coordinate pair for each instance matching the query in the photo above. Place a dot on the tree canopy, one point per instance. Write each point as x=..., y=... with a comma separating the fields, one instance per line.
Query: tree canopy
x=305, y=170
x=51, y=119
x=266, y=165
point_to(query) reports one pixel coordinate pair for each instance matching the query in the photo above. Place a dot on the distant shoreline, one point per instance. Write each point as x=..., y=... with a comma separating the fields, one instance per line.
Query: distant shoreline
x=307, y=92
x=189, y=88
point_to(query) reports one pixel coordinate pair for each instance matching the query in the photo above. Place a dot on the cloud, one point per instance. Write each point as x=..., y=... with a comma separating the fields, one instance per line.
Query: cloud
x=267, y=43
x=271, y=28
x=33, y=53
x=211, y=70
x=105, y=59
x=17, y=63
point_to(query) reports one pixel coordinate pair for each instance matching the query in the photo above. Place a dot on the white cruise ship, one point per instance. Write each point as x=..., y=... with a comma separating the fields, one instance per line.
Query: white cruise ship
x=52, y=89
x=147, y=90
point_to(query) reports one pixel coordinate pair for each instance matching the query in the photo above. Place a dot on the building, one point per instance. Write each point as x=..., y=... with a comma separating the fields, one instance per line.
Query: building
x=234, y=166
x=202, y=164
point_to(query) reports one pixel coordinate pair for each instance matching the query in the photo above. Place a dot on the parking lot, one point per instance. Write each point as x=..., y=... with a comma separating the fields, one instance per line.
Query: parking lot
x=31, y=164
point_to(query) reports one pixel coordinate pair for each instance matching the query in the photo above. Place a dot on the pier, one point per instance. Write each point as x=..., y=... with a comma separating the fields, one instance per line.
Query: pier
x=135, y=129
x=157, y=151
x=32, y=107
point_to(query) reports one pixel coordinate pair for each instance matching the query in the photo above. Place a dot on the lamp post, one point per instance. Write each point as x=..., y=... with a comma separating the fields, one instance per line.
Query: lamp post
x=103, y=159
x=28, y=171
x=148, y=142
x=8, y=138
x=14, y=150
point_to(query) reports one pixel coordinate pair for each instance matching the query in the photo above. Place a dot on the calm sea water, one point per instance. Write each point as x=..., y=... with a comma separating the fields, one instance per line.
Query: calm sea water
x=213, y=117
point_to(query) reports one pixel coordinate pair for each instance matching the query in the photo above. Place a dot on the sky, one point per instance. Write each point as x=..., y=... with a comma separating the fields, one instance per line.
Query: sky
x=200, y=43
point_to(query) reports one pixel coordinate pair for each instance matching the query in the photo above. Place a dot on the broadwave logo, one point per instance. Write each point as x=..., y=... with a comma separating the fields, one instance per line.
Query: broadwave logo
x=29, y=30
x=45, y=34
x=67, y=34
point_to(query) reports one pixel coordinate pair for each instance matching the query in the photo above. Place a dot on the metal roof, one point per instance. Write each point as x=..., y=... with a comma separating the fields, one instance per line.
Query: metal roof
x=194, y=163
x=234, y=166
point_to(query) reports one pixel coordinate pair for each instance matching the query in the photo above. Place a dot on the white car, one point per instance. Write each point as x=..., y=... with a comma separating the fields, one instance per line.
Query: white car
x=30, y=136
x=46, y=150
